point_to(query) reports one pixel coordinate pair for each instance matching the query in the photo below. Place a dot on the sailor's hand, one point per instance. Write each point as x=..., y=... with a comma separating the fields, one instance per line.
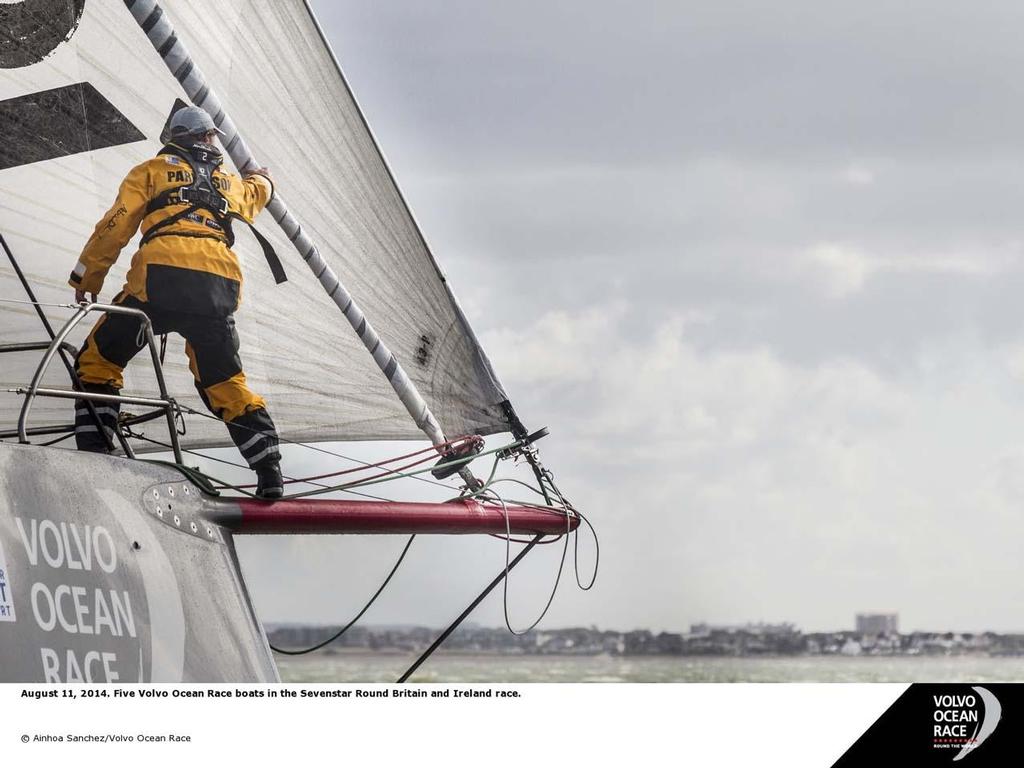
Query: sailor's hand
x=80, y=297
x=259, y=172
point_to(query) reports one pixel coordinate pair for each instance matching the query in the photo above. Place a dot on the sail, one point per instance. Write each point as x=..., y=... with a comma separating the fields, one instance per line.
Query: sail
x=84, y=96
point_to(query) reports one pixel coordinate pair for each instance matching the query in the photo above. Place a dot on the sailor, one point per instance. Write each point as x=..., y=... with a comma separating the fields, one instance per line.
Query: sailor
x=185, y=277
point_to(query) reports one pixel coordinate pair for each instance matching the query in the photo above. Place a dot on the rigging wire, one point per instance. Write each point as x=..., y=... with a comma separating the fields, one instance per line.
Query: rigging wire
x=575, y=534
x=228, y=486
x=549, y=476
x=373, y=480
x=487, y=493
x=322, y=488
x=37, y=303
x=376, y=465
x=396, y=474
x=381, y=464
x=358, y=616
x=315, y=448
x=508, y=557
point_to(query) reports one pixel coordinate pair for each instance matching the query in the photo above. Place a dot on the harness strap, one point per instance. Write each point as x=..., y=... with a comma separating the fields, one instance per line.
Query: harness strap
x=197, y=198
x=200, y=235
x=153, y=231
x=164, y=199
x=273, y=261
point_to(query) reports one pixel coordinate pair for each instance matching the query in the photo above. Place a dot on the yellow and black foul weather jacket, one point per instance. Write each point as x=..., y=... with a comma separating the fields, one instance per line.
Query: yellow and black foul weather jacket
x=187, y=264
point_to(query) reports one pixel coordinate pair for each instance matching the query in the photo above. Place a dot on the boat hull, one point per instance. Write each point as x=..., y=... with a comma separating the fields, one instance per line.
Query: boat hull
x=110, y=573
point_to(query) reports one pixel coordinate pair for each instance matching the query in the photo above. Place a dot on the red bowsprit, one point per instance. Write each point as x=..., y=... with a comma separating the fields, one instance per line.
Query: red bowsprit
x=312, y=516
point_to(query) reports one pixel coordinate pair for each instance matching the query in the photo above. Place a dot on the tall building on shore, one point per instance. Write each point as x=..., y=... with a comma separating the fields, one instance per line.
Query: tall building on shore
x=878, y=623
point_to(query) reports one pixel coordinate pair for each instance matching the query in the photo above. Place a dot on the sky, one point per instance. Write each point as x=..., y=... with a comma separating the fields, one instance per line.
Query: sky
x=756, y=266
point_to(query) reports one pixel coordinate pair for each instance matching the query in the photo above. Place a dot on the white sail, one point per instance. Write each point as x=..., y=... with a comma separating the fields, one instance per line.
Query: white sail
x=76, y=118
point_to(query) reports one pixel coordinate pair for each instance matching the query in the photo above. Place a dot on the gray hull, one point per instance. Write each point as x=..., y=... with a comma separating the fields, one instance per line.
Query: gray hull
x=111, y=572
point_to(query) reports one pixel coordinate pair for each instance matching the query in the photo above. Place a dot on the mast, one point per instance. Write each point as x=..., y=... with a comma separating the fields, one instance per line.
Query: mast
x=158, y=28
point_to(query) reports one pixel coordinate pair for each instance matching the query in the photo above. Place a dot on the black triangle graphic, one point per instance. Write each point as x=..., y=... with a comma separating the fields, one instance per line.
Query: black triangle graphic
x=60, y=122
x=165, y=134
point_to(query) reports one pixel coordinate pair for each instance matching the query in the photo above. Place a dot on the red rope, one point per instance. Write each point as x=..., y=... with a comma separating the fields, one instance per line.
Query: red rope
x=440, y=448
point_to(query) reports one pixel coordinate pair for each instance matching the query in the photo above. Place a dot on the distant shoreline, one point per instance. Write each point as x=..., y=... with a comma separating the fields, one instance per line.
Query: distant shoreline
x=460, y=653
x=754, y=641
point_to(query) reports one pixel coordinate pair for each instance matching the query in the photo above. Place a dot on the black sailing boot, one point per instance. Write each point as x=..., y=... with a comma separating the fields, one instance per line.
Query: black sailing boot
x=88, y=436
x=269, y=483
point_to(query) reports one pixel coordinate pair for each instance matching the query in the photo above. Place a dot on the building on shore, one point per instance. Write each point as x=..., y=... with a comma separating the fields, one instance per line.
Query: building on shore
x=877, y=623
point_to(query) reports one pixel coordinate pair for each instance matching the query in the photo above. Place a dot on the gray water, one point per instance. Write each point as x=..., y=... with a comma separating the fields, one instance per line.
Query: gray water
x=464, y=668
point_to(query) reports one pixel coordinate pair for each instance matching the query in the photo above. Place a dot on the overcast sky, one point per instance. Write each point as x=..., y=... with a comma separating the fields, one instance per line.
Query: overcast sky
x=757, y=266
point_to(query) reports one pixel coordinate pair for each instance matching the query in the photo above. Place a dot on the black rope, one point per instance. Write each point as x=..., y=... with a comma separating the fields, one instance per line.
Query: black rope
x=549, y=478
x=200, y=480
x=472, y=606
x=558, y=576
x=359, y=615
x=504, y=537
x=576, y=553
x=56, y=440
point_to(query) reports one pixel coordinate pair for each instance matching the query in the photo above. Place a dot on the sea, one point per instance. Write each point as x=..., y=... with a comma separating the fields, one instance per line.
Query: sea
x=477, y=668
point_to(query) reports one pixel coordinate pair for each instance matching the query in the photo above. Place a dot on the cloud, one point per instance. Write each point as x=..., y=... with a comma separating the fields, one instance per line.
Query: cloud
x=1013, y=360
x=858, y=175
x=841, y=270
x=638, y=392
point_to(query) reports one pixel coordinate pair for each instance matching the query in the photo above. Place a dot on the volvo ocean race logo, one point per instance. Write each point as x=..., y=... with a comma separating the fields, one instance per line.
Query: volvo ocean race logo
x=962, y=721
x=97, y=596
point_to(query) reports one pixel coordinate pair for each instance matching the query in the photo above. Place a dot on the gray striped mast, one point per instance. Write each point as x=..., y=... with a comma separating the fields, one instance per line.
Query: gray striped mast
x=150, y=17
